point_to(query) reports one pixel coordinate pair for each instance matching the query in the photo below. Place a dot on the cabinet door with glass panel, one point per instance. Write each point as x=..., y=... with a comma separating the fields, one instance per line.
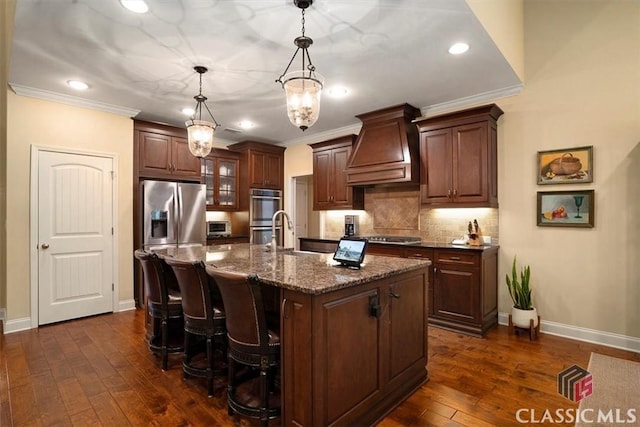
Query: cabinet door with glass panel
x=220, y=170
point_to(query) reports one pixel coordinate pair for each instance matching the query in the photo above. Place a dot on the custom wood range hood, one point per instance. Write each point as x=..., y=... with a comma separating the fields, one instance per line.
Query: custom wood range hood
x=386, y=151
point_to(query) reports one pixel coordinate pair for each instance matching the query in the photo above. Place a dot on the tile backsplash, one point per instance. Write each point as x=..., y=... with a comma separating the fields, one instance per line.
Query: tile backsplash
x=396, y=211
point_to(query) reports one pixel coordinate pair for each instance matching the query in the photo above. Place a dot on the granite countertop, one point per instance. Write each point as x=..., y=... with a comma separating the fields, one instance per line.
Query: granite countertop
x=306, y=272
x=422, y=244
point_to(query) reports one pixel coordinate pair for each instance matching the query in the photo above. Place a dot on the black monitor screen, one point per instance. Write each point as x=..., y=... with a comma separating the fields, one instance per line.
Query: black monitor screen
x=350, y=251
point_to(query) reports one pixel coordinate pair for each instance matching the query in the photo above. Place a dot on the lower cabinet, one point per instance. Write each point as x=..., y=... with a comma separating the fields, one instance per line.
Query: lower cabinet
x=352, y=354
x=465, y=293
x=463, y=283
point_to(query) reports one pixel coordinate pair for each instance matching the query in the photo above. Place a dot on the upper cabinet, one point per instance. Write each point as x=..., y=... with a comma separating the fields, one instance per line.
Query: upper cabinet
x=162, y=151
x=458, y=158
x=221, y=173
x=330, y=189
x=262, y=165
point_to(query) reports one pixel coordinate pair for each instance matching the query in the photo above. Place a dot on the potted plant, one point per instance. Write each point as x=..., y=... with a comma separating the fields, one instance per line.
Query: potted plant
x=520, y=292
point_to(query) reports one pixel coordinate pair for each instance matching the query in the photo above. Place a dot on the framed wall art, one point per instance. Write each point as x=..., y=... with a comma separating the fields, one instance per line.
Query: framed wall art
x=565, y=166
x=565, y=208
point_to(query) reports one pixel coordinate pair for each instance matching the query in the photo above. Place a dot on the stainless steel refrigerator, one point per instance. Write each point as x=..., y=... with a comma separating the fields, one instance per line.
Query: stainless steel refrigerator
x=173, y=214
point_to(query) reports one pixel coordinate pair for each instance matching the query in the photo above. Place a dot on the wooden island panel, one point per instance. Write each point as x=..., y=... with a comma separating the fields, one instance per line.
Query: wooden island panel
x=364, y=360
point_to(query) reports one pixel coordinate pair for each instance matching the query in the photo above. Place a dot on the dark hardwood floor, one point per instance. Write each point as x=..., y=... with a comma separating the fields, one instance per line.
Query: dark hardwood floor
x=98, y=371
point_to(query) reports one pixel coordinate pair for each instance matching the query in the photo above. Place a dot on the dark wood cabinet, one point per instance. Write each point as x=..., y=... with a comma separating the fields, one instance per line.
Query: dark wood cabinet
x=162, y=152
x=262, y=165
x=423, y=253
x=220, y=173
x=465, y=293
x=330, y=189
x=463, y=283
x=385, y=349
x=458, y=158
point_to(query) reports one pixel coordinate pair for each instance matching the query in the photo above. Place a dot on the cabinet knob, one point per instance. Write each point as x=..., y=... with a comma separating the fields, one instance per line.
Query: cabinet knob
x=44, y=246
x=455, y=192
x=449, y=193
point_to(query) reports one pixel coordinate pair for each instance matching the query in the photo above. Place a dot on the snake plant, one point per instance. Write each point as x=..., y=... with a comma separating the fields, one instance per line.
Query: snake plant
x=520, y=291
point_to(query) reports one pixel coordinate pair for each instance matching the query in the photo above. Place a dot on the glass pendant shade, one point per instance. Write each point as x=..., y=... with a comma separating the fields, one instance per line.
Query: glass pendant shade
x=200, y=136
x=200, y=132
x=303, y=94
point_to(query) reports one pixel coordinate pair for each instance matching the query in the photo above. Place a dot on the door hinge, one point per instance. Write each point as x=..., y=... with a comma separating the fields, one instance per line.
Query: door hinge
x=113, y=174
x=112, y=231
x=113, y=287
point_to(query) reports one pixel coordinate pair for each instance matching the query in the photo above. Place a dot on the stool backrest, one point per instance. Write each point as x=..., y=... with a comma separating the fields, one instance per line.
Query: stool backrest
x=156, y=276
x=194, y=288
x=244, y=309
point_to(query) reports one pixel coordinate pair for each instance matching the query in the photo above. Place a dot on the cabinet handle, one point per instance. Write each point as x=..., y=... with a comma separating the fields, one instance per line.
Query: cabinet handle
x=455, y=192
x=283, y=309
x=455, y=258
x=435, y=270
x=449, y=193
x=394, y=295
x=417, y=255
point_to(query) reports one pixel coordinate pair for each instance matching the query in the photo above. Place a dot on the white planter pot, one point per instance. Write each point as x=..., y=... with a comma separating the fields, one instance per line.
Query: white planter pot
x=520, y=318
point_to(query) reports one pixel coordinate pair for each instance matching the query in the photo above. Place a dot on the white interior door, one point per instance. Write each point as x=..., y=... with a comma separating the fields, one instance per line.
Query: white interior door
x=75, y=236
x=302, y=202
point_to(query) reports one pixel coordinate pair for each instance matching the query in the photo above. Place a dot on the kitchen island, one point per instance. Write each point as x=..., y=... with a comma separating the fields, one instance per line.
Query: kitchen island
x=354, y=342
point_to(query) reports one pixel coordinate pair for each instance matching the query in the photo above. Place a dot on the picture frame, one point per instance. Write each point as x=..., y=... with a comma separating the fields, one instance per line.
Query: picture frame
x=565, y=166
x=565, y=208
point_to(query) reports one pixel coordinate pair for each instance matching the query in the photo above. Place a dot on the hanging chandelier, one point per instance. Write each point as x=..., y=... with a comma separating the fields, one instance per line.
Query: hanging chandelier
x=304, y=87
x=200, y=132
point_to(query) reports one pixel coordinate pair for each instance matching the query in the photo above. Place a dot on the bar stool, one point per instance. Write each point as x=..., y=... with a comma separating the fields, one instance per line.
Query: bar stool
x=251, y=343
x=204, y=317
x=163, y=302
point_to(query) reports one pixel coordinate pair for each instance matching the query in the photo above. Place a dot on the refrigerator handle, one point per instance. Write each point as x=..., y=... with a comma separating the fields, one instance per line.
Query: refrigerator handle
x=178, y=212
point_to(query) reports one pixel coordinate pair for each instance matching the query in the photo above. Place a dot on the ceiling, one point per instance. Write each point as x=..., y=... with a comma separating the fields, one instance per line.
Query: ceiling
x=386, y=52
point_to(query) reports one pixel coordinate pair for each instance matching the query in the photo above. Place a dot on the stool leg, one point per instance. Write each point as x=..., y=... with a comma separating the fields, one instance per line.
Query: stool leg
x=231, y=384
x=264, y=393
x=210, y=363
x=164, y=351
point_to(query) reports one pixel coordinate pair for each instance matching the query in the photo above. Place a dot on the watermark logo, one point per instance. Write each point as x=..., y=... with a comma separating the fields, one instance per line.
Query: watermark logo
x=575, y=383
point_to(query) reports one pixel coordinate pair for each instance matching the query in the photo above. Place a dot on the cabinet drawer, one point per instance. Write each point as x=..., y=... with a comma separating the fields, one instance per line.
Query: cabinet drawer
x=384, y=249
x=314, y=246
x=457, y=257
x=420, y=253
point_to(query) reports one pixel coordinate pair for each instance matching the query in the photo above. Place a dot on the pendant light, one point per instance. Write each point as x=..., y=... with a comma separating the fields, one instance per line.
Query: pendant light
x=304, y=87
x=200, y=132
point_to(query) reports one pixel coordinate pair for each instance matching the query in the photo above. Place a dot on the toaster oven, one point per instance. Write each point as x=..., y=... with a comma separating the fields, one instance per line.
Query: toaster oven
x=218, y=229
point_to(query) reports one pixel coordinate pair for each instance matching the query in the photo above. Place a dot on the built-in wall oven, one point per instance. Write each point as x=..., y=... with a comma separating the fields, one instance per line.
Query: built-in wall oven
x=263, y=203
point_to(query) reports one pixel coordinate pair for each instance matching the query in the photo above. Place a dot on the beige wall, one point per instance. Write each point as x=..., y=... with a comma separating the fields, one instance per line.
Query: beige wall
x=298, y=161
x=43, y=123
x=503, y=20
x=7, y=12
x=583, y=88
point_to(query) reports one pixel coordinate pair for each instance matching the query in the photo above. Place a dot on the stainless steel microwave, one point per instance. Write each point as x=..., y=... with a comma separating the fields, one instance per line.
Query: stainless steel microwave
x=218, y=229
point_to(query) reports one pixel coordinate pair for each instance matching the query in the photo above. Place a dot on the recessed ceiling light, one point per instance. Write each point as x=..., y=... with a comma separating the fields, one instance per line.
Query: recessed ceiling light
x=246, y=124
x=77, y=85
x=137, y=6
x=188, y=111
x=338, y=91
x=458, y=48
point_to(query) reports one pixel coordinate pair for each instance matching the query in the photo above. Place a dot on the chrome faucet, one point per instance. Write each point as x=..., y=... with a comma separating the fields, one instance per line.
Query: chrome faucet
x=273, y=227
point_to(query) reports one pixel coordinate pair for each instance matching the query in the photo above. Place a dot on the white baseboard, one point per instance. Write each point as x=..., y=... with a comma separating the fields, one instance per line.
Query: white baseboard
x=24, y=323
x=583, y=334
x=126, y=305
x=17, y=325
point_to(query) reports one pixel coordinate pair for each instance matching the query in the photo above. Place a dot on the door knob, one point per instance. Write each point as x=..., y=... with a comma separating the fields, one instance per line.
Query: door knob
x=44, y=246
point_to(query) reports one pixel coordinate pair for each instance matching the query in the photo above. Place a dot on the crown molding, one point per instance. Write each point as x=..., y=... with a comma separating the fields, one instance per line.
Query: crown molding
x=472, y=100
x=324, y=136
x=72, y=100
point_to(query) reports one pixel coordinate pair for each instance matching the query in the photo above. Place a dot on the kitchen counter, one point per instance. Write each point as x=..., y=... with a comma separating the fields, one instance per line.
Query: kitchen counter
x=307, y=272
x=422, y=244
x=353, y=342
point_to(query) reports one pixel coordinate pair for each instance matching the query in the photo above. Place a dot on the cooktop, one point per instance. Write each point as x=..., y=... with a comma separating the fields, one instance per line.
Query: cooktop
x=402, y=240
